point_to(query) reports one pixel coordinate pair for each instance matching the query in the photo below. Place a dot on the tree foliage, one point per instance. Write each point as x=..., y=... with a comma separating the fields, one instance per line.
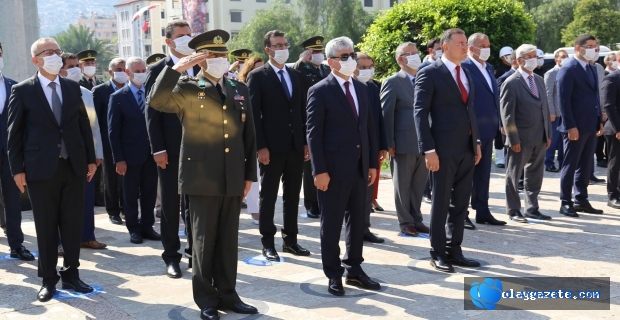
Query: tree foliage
x=552, y=17
x=78, y=38
x=597, y=17
x=505, y=22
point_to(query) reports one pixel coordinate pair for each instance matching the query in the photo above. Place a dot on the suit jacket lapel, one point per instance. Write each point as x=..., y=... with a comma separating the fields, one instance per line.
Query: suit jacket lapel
x=403, y=75
x=450, y=80
x=293, y=82
x=38, y=90
x=8, y=94
x=129, y=96
x=340, y=93
x=527, y=88
x=271, y=72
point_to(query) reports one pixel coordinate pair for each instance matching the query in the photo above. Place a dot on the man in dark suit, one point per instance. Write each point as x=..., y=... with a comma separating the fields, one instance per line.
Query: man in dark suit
x=101, y=97
x=486, y=108
x=129, y=142
x=164, y=131
x=278, y=102
x=51, y=148
x=344, y=163
x=611, y=103
x=554, y=112
x=513, y=69
x=10, y=194
x=578, y=93
x=218, y=164
x=88, y=64
x=444, y=96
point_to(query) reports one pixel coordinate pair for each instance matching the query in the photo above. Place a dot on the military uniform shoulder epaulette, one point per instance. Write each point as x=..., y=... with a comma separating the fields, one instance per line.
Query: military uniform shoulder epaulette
x=235, y=82
x=186, y=78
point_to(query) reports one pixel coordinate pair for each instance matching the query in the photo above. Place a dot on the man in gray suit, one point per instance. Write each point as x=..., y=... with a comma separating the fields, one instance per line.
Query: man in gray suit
x=554, y=113
x=525, y=117
x=408, y=168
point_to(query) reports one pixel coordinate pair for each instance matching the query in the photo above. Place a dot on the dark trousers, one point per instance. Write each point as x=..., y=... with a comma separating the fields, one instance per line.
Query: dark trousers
x=12, y=208
x=601, y=149
x=215, y=231
x=556, y=145
x=482, y=178
x=88, y=229
x=613, y=167
x=288, y=167
x=187, y=219
x=310, y=198
x=112, y=187
x=343, y=194
x=528, y=163
x=170, y=200
x=577, y=167
x=57, y=207
x=140, y=182
x=452, y=186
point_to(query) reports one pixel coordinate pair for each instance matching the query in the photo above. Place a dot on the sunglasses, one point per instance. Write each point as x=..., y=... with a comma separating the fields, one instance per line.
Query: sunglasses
x=346, y=56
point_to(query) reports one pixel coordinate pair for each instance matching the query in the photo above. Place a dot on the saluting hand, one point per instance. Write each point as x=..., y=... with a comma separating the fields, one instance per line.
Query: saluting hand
x=189, y=62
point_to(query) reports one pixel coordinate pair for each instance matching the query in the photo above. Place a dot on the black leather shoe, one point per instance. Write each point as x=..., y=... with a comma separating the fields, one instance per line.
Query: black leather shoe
x=537, y=215
x=151, y=234
x=311, y=214
x=271, y=254
x=595, y=180
x=500, y=165
x=378, y=208
x=372, y=238
x=568, y=210
x=468, y=224
x=614, y=203
x=46, y=293
x=441, y=264
x=422, y=228
x=295, y=249
x=601, y=163
x=520, y=186
x=552, y=169
x=22, y=253
x=209, y=313
x=517, y=217
x=587, y=208
x=362, y=281
x=491, y=221
x=173, y=270
x=463, y=262
x=135, y=237
x=242, y=308
x=335, y=287
x=116, y=220
x=76, y=285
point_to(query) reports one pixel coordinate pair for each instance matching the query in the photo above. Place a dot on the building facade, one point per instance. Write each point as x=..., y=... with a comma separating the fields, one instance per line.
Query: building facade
x=19, y=28
x=140, y=27
x=103, y=26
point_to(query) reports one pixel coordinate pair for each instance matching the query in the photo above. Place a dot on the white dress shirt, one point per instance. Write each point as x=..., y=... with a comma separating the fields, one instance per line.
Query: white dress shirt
x=351, y=89
x=287, y=77
x=45, y=84
x=175, y=59
x=525, y=77
x=452, y=68
x=3, y=93
x=483, y=68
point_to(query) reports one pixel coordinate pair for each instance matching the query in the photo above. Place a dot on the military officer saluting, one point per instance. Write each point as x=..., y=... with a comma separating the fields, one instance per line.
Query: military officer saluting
x=239, y=56
x=218, y=164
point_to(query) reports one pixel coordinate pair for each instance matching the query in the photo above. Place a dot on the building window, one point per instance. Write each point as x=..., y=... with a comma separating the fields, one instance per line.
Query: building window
x=235, y=16
x=368, y=3
x=163, y=15
x=163, y=32
x=262, y=1
x=207, y=17
x=147, y=50
x=163, y=48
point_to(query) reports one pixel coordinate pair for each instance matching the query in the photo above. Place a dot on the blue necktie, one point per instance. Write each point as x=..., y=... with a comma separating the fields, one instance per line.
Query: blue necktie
x=284, y=85
x=141, y=100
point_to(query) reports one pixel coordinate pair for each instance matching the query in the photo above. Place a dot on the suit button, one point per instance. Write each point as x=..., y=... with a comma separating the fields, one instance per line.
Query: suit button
x=59, y=146
x=225, y=121
x=357, y=146
x=226, y=150
x=226, y=136
x=224, y=107
x=201, y=106
x=189, y=158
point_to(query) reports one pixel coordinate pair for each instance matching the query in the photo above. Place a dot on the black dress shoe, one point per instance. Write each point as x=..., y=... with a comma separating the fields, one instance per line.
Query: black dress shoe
x=517, y=217
x=491, y=221
x=568, y=210
x=614, y=203
x=271, y=254
x=76, y=285
x=335, y=287
x=116, y=220
x=379, y=208
x=46, y=293
x=468, y=224
x=552, y=168
x=209, y=313
x=463, y=262
x=601, y=163
x=135, y=237
x=22, y=253
x=173, y=270
x=441, y=264
x=537, y=215
x=242, y=308
x=311, y=214
x=151, y=234
x=372, y=238
x=295, y=249
x=520, y=186
x=595, y=180
x=587, y=208
x=362, y=281
x=500, y=165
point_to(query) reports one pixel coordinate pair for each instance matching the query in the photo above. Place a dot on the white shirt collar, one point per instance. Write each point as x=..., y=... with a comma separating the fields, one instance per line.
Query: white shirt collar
x=45, y=82
x=276, y=69
x=478, y=64
x=524, y=74
x=449, y=64
x=342, y=81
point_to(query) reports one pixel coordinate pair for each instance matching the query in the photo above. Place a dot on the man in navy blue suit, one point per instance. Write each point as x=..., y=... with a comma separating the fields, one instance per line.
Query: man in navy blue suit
x=486, y=108
x=343, y=151
x=132, y=154
x=580, y=107
x=444, y=96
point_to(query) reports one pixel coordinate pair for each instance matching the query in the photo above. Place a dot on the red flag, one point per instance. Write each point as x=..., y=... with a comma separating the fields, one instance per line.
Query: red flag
x=145, y=27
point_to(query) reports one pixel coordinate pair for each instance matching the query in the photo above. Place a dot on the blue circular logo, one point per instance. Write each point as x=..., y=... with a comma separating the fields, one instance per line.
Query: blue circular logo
x=485, y=295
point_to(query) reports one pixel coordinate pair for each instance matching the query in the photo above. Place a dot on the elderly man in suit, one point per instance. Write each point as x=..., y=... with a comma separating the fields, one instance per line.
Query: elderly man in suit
x=444, y=94
x=343, y=150
x=408, y=168
x=554, y=112
x=486, y=108
x=50, y=146
x=578, y=93
x=611, y=105
x=525, y=117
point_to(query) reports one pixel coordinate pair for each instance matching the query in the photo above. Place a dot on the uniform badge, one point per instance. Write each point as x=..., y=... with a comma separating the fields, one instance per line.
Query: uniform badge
x=239, y=98
x=201, y=95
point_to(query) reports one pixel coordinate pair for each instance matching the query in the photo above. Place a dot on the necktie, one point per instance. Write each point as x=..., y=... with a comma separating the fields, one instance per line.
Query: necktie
x=592, y=73
x=532, y=85
x=350, y=98
x=57, y=110
x=220, y=92
x=284, y=85
x=461, y=86
x=141, y=100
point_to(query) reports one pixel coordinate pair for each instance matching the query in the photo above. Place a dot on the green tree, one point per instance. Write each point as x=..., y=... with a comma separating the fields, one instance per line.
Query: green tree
x=597, y=17
x=552, y=17
x=78, y=38
x=505, y=22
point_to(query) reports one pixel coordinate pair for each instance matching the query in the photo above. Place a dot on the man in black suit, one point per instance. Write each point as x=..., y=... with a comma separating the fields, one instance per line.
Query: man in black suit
x=164, y=131
x=10, y=194
x=51, y=149
x=611, y=130
x=278, y=102
x=101, y=97
x=129, y=142
x=343, y=149
x=444, y=96
x=88, y=64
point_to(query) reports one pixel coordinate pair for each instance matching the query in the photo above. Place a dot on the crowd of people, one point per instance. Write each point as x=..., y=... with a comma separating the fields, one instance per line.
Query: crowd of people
x=192, y=137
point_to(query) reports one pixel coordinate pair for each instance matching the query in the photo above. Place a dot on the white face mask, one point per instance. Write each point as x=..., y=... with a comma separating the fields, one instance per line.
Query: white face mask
x=1, y=64
x=413, y=61
x=90, y=71
x=484, y=54
x=531, y=64
x=280, y=56
x=181, y=45
x=52, y=64
x=217, y=67
x=614, y=65
x=540, y=62
x=438, y=54
x=317, y=58
x=366, y=74
x=563, y=61
x=120, y=77
x=74, y=74
x=591, y=54
x=348, y=67
x=139, y=78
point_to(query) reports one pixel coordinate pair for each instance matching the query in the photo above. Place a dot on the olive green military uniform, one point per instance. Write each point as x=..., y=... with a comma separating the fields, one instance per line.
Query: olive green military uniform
x=218, y=153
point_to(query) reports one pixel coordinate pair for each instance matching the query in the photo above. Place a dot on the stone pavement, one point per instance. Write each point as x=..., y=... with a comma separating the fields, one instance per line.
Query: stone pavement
x=131, y=284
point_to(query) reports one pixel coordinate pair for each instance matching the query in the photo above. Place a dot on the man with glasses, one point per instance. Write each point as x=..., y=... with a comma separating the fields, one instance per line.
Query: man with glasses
x=51, y=151
x=279, y=102
x=343, y=148
x=218, y=164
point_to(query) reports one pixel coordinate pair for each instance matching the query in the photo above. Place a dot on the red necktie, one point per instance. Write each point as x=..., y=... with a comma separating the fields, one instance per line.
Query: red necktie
x=461, y=86
x=350, y=98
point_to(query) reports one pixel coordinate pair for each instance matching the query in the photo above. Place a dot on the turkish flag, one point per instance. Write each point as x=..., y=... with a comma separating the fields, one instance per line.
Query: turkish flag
x=145, y=27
